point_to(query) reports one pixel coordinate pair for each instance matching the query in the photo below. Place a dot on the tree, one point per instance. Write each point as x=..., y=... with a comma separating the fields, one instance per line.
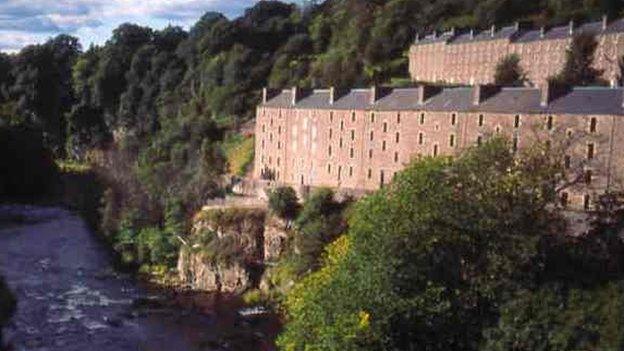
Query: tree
x=509, y=73
x=428, y=259
x=283, y=202
x=578, y=68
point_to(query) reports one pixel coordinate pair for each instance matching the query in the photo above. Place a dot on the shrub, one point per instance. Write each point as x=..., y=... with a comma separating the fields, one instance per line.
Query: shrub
x=283, y=202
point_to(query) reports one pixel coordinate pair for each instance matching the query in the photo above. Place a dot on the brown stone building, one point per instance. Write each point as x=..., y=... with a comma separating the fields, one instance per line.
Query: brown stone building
x=359, y=139
x=471, y=57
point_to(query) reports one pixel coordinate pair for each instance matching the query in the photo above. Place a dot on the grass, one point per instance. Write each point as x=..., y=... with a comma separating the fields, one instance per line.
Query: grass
x=239, y=151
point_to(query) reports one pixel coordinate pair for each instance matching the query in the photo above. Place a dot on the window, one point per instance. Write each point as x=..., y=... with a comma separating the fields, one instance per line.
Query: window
x=452, y=140
x=352, y=116
x=271, y=122
x=588, y=177
x=339, y=171
x=328, y=168
x=263, y=143
x=271, y=137
x=279, y=130
x=590, y=151
x=352, y=134
x=330, y=133
x=372, y=117
x=586, y=202
x=385, y=127
x=350, y=171
x=331, y=116
x=278, y=161
x=567, y=161
x=381, y=178
x=435, y=150
x=396, y=137
x=549, y=123
x=383, y=145
x=592, y=125
x=396, y=157
x=371, y=135
x=279, y=145
x=351, y=153
x=422, y=118
x=497, y=129
x=514, y=145
x=517, y=121
x=420, y=138
x=399, y=118
x=329, y=151
x=370, y=153
x=564, y=199
x=263, y=128
x=479, y=140
x=370, y=173
x=481, y=119
x=453, y=119
x=341, y=125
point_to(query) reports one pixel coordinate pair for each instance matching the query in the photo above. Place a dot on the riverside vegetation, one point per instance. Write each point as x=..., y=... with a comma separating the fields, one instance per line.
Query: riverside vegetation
x=441, y=259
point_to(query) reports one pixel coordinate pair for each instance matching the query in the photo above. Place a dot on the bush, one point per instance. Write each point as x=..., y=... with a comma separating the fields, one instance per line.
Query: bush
x=283, y=202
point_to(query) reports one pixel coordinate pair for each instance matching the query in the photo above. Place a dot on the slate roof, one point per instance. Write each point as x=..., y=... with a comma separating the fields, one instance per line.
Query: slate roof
x=580, y=100
x=514, y=35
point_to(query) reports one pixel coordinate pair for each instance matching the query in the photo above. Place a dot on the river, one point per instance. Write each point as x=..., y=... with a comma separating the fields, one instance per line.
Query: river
x=71, y=298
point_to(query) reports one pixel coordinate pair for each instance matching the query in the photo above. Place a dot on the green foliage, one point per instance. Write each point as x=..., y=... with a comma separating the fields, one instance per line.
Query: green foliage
x=578, y=69
x=556, y=318
x=443, y=245
x=320, y=221
x=27, y=168
x=508, y=72
x=283, y=202
x=239, y=152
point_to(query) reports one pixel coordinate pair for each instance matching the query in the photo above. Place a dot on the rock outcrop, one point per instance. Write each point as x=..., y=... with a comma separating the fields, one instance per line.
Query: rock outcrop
x=228, y=248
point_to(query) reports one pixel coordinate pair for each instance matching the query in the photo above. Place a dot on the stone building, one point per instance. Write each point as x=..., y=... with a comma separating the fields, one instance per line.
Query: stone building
x=359, y=139
x=471, y=57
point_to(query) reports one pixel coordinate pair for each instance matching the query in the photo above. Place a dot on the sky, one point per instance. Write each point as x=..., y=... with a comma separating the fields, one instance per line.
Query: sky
x=24, y=22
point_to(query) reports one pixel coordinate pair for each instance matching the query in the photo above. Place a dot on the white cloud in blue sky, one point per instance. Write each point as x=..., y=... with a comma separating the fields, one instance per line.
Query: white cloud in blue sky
x=24, y=22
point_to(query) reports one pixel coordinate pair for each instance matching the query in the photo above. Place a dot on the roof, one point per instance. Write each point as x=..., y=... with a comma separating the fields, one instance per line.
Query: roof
x=580, y=100
x=514, y=34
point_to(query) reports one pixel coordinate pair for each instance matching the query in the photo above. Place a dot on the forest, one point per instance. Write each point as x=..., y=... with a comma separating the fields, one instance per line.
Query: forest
x=159, y=114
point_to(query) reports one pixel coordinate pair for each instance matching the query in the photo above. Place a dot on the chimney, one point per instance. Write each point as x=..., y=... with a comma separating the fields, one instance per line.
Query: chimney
x=417, y=37
x=517, y=26
x=481, y=93
x=294, y=91
x=551, y=91
x=471, y=34
x=268, y=94
x=571, y=27
x=542, y=31
x=332, y=96
x=425, y=92
x=605, y=22
x=452, y=31
x=493, y=30
x=377, y=93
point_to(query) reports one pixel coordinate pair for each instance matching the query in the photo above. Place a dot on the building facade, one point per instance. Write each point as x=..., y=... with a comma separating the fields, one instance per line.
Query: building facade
x=471, y=57
x=359, y=139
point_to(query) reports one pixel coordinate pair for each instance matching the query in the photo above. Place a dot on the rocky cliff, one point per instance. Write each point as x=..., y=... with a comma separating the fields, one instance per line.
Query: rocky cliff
x=229, y=247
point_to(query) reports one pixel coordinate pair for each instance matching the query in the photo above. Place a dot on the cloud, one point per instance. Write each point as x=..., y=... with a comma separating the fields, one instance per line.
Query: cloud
x=25, y=22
